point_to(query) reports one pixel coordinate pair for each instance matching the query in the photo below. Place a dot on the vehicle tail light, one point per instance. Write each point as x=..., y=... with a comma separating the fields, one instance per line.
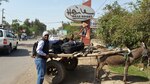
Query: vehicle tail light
x=5, y=41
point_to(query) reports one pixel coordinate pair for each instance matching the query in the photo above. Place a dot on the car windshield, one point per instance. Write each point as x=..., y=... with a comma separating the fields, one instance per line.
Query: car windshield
x=1, y=33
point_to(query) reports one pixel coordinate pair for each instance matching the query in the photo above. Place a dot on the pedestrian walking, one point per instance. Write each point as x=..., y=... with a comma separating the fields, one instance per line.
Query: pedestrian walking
x=42, y=56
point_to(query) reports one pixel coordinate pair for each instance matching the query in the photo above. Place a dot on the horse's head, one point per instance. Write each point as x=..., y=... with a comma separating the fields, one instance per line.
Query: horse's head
x=142, y=51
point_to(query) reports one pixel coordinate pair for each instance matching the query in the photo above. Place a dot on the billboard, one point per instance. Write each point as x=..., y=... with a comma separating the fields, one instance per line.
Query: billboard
x=79, y=13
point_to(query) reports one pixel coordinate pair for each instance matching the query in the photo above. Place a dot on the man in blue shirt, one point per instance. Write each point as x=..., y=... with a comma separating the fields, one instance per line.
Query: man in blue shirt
x=42, y=56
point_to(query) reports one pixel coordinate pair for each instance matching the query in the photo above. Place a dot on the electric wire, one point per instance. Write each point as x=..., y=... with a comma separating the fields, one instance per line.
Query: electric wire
x=101, y=6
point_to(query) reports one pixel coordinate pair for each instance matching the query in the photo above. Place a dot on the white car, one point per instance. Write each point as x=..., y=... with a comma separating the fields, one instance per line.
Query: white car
x=8, y=41
x=54, y=37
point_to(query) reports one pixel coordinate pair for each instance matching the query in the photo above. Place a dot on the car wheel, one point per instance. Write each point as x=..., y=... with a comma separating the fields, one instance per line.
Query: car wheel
x=69, y=63
x=16, y=47
x=8, y=51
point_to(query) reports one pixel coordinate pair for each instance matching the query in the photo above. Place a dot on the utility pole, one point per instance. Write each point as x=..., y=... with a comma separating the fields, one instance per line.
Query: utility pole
x=87, y=38
x=3, y=17
x=3, y=11
x=62, y=27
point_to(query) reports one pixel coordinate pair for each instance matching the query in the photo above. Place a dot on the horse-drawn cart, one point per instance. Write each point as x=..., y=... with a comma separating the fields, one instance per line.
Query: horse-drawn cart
x=59, y=63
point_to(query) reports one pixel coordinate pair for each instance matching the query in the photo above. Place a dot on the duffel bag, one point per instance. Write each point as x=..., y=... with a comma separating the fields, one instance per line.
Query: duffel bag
x=72, y=46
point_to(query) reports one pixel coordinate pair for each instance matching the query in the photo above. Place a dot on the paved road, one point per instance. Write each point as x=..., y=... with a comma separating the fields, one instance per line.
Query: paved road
x=19, y=68
x=16, y=63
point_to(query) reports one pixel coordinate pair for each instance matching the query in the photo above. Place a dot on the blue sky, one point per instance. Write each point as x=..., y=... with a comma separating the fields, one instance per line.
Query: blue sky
x=48, y=11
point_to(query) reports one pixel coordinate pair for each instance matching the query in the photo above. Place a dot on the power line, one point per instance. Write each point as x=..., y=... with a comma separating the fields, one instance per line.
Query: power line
x=3, y=16
x=57, y=22
x=111, y=2
x=53, y=22
x=101, y=6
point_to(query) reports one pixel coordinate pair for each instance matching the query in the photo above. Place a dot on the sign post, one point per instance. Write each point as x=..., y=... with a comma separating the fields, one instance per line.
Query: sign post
x=82, y=13
x=87, y=38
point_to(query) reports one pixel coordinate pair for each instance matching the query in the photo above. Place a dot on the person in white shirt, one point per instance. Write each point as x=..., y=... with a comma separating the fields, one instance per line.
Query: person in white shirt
x=42, y=56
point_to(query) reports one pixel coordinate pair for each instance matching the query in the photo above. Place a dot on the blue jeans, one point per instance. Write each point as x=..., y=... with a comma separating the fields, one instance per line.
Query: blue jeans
x=41, y=69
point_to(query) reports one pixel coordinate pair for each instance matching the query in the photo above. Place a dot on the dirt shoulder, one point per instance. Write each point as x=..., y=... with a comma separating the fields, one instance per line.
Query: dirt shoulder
x=83, y=74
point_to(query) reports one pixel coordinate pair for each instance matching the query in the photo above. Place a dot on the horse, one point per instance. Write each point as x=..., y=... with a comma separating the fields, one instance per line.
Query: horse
x=120, y=59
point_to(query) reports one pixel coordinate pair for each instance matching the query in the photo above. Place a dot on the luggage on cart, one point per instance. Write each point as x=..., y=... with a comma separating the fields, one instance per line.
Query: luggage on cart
x=72, y=46
x=56, y=46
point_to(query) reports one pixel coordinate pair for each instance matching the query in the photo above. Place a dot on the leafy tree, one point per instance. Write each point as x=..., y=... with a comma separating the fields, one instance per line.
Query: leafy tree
x=38, y=27
x=110, y=25
x=143, y=20
x=27, y=22
x=70, y=29
x=16, y=26
x=6, y=24
x=119, y=27
x=34, y=26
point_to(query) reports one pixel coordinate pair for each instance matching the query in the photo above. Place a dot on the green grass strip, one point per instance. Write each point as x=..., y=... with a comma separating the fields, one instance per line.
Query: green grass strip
x=132, y=71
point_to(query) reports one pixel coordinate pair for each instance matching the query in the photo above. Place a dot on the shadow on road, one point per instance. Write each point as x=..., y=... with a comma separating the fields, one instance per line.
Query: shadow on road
x=83, y=74
x=16, y=53
x=26, y=45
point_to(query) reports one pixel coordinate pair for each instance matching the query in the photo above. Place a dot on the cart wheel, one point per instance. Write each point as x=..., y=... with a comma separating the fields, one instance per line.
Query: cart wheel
x=69, y=63
x=55, y=73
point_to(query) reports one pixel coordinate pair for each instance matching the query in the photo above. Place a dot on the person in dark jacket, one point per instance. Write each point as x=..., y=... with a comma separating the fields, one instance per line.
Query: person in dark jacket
x=42, y=56
x=83, y=30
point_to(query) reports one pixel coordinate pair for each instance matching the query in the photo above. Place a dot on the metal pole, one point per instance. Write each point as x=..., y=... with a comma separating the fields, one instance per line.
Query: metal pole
x=62, y=28
x=87, y=38
x=2, y=10
x=2, y=16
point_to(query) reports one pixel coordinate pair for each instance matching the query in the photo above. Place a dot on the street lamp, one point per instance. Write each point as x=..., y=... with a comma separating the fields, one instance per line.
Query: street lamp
x=3, y=0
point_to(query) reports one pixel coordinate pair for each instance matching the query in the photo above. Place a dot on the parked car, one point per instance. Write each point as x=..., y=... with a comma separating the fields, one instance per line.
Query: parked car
x=54, y=37
x=24, y=36
x=8, y=41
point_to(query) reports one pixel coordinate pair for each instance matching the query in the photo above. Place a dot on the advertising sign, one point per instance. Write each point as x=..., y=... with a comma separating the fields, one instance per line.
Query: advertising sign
x=79, y=13
x=63, y=32
x=94, y=23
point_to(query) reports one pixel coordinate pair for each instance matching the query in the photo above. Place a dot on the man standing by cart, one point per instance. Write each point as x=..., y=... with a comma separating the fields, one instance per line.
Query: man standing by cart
x=83, y=30
x=42, y=56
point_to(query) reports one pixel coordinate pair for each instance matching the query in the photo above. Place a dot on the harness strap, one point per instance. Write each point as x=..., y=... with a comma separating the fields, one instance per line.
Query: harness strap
x=126, y=56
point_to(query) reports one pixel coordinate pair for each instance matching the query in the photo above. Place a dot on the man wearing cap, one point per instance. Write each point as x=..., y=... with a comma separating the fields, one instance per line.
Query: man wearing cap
x=42, y=56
